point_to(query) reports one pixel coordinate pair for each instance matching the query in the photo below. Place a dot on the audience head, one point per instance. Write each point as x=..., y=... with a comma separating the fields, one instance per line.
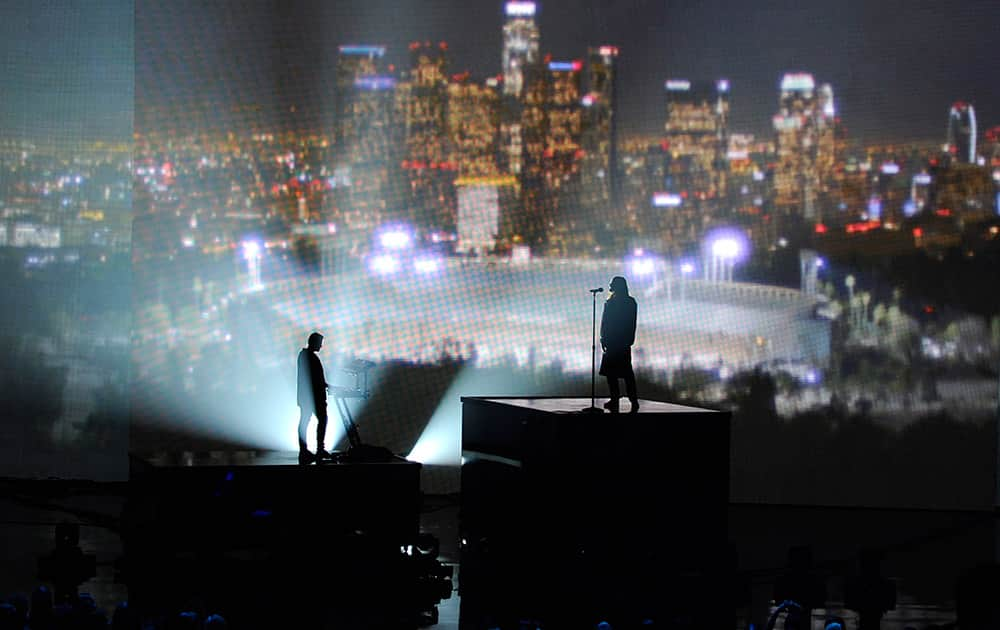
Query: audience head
x=124, y=618
x=8, y=617
x=41, y=612
x=977, y=606
x=215, y=622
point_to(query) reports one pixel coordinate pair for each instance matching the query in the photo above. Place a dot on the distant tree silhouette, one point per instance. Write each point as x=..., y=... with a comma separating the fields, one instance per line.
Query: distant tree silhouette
x=31, y=391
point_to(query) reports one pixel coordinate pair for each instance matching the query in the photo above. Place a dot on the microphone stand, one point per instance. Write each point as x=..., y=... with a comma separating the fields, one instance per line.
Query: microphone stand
x=593, y=408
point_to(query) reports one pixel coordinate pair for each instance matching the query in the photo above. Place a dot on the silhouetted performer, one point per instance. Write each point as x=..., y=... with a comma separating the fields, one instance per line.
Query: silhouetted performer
x=617, y=337
x=802, y=584
x=312, y=395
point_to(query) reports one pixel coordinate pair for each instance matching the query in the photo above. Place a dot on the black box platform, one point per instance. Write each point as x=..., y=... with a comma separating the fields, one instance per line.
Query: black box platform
x=559, y=505
x=253, y=531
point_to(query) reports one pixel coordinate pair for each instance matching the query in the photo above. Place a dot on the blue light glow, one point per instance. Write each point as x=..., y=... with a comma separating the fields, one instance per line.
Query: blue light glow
x=667, y=200
x=874, y=208
x=375, y=83
x=367, y=51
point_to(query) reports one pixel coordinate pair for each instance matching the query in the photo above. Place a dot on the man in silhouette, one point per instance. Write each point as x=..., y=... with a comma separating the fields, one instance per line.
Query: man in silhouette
x=311, y=396
x=617, y=336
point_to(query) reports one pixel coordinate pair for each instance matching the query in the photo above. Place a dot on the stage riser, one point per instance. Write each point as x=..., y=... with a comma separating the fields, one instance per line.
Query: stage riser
x=558, y=508
x=229, y=507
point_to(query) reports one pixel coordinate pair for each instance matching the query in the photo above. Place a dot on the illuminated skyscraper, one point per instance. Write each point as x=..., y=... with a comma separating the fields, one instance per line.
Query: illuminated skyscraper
x=562, y=152
x=473, y=126
x=598, y=171
x=355, y=66
x=962, y=132
x=992, y=147
x=486, y=200
x=829, y=138
x=696, y=132
x=805, y=126
x=423, y=99
x=520, y=45
x=533, y=223
x=521, y=40
x=367, y=136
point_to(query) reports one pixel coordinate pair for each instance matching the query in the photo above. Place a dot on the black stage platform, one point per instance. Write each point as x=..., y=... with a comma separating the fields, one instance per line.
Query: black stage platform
x=558, y=505
x=248, y=529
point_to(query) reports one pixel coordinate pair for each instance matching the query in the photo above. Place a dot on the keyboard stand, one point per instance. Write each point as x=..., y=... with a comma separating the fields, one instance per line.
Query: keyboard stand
x=359, y=368
x=340, y=397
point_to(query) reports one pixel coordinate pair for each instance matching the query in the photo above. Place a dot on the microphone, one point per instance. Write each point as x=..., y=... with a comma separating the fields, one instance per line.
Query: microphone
x=597, y=290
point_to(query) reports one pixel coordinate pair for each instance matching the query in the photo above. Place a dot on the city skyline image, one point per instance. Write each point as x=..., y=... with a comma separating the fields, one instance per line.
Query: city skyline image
x=892, y=65
x=778, y=222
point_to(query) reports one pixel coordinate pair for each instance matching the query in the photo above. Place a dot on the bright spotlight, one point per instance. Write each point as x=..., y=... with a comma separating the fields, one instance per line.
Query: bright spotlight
x=395, y=238
x=643, y=266
x=251, y=250
x=726, y=248
x=687, y=268
x=427, y=265
x=729, y=244
x=384, y=264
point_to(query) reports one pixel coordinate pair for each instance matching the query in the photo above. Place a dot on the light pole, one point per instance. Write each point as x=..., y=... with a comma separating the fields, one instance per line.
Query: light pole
x=686, y=270
x=252, y=254
x=724, y=253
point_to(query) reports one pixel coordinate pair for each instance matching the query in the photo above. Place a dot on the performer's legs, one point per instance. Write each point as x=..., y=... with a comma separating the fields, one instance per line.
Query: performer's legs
x=320, y=428
x=305, y=414
x=630, y=388
x=614, y=392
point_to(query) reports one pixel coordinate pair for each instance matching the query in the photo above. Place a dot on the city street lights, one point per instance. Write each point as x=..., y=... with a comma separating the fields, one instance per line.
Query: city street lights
x=724, y=250
x=252, y=254
x=687, y=269
x=809, y=265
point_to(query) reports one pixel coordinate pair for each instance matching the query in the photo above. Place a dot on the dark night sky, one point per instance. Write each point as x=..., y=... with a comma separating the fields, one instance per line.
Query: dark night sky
x=66, y=69
x=895, y=65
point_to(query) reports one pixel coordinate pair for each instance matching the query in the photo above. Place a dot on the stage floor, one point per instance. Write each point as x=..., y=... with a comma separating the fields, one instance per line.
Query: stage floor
x=242, y=458
x=563, y=405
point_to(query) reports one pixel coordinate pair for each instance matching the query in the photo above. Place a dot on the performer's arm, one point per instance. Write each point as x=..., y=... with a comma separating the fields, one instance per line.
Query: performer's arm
x=635, y=315
x=604, y=327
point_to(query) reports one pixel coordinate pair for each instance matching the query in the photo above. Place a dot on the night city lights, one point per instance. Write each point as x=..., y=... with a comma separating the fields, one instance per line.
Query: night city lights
x=777, y=224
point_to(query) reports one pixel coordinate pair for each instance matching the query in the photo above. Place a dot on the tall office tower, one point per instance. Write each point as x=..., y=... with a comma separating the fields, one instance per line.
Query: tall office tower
x=533, y=222
x=473, y=126
x=992, y=147
x=354, y=64
x=829, y=138
x=487, y=200
x=805, y=126
x=992, y=151
x=962, y=132
x=697, y=135
x=368, y=138
x=562, y=153
x=520, y=52
x=598, y=171
x=520, y=45
x=423, y=99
